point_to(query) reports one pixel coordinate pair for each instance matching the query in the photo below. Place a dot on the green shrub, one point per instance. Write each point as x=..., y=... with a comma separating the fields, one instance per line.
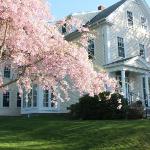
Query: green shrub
x=103, y=106
x=135, y=110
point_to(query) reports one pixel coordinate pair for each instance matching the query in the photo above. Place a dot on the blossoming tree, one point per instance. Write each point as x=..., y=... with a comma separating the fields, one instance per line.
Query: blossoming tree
x=38, y=52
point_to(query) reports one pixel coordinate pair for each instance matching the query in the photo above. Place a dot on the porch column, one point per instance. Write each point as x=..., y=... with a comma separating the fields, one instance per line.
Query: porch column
x=147, y=89
x=123, y=80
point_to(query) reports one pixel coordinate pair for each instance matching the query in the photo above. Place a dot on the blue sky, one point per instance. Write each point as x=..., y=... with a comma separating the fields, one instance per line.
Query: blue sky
x=61, y=8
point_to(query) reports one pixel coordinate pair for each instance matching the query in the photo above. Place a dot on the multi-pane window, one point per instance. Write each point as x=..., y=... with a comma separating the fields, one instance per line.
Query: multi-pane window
x=7, y=71
x=91, y=48
x=30, y=99
x=18, y=100
x=142, y=50
x=53, y=101
x=34, y=95
x=6, y=99
x=143, y=23
x=130, y=18
x=121, y=52
x=45, y=98
x=64, y=28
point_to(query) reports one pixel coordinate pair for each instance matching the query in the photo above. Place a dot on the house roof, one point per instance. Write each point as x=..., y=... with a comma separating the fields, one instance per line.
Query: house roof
x=106, y=12
x=92, y=17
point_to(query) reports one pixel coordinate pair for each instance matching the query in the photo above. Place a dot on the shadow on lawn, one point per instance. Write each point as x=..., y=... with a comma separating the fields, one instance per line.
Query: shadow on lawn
x=44, y=133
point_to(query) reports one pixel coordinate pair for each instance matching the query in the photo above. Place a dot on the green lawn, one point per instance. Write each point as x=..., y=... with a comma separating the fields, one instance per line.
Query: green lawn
x=57, y=133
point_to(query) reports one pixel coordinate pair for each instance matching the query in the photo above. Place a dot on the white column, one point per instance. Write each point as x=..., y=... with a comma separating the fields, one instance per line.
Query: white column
x=123, y=82
x=147, y=89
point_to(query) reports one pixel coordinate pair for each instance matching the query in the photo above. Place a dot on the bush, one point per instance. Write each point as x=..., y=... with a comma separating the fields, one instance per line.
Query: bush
x=103, y=106
x=135, y=110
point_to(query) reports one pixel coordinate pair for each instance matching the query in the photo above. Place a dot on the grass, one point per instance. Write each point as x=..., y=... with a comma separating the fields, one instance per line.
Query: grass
x=58, y=133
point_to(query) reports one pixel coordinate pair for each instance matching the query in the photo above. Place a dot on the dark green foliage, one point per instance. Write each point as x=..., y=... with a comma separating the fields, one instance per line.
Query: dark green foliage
x=104, y=106
x=135, y=110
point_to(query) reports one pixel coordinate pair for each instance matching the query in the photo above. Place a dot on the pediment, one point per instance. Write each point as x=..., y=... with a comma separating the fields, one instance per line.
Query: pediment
x=138, y=62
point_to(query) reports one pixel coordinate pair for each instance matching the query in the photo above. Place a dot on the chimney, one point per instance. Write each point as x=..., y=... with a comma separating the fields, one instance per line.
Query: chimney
x=101, y=8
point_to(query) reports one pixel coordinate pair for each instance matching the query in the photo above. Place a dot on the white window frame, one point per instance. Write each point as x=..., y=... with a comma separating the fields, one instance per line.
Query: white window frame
x=7, y=68
x=46, y=101
x=142, y=48
x=144, y=25
x=91, y=50
x=129, y=25
x=123, y=47
x=8, y=99
x=26, y=101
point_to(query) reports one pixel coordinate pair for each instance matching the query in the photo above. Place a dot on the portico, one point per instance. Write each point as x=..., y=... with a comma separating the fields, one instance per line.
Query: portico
x=133, y=77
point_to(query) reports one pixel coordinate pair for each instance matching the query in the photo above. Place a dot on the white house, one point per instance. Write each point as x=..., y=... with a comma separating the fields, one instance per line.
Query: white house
x=121, y=46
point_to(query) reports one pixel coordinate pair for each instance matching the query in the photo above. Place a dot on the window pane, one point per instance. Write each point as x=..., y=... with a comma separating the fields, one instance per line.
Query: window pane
x=18, y=100
x=6, y=99
x=7, y=71
x=143, y=23
x=64, y=30
x=130, y=18
x=91, y=48
x=121, y=47
x=142, y=50
x=34, y=95
x=29, y=103
x=53, y=100
x=45, y=98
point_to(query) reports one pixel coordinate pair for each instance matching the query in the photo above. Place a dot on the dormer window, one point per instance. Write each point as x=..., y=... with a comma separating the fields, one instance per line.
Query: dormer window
x=121, y=52
x=7, y=71
x=130, y=18
x=64, y=28
x=142, y=50
x=143, y=22
x=91, y=47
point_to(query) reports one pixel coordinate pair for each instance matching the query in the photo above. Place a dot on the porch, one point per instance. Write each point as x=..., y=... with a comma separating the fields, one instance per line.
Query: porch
x=133, y=76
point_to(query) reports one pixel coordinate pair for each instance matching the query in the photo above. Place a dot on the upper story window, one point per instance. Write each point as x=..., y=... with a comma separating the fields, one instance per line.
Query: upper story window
x=64, y=28
x=143, y=22
x=7, y=71
x=142, y=50
x=6, y=97
x=91, y=47
x=121, y=52
x=130, y=18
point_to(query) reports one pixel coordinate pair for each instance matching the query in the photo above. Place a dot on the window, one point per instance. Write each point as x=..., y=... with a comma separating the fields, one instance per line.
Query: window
x=29, y=102
x=45, y=98
x=143, y=23
x=64, y=28
x=34, y=95
x=53, y=101
x=142, y=50
x=6, y=99
x=7, y=71
x=91, y=48
x=130, y=18
x=121, y=52
x=30, y=99
x=18, y=100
